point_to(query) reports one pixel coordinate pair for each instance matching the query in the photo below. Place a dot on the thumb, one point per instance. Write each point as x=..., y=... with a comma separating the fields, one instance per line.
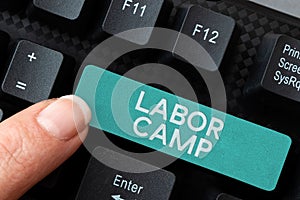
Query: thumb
x=37, y=140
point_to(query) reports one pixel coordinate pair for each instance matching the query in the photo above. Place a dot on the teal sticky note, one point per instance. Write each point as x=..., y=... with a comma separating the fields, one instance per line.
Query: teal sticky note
x=190, y=131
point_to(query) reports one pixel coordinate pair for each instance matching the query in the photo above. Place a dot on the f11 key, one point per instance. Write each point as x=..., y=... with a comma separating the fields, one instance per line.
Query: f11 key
x=124, y=15
x=277, y=71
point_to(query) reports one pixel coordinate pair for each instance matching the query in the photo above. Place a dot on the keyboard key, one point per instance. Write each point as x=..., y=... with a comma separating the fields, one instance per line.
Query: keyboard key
x=289, y=7
x=159, y=120
x=103, y=182
x=213, y=31
x=277, y=71
x=125, y=15
x=32, y=72
x=69, y=15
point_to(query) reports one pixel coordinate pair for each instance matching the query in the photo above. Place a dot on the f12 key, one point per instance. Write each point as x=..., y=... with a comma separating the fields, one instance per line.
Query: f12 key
x=277, y=70
x=213, y=31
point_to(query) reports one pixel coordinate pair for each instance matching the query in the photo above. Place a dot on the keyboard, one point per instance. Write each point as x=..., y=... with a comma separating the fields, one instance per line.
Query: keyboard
x=248, y=51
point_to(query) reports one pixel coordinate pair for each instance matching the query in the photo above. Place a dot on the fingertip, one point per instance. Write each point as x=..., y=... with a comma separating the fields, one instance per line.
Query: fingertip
x=65, y=117
x=37, y=140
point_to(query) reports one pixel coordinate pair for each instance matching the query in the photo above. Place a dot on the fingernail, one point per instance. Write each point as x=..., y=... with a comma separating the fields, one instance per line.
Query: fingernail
x=66, y=117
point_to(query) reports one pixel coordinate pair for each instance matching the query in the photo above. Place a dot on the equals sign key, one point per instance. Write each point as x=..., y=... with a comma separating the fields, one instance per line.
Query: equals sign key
x=32, y=72
x=20, y=85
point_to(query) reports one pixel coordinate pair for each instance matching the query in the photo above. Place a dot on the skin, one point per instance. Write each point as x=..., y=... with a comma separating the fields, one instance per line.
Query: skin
x=29, y=151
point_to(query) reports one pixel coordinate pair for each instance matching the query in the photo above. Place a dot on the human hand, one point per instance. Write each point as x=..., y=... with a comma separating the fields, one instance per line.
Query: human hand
x=37, y=140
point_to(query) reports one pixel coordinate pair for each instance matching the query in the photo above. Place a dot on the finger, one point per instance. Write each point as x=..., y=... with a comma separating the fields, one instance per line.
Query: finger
x=37, y=140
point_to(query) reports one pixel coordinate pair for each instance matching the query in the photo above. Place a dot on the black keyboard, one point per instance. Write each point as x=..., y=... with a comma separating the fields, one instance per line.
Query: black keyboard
x=255, y=47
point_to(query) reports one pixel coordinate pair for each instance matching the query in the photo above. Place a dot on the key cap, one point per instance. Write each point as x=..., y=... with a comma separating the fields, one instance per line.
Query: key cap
x=125, y=15
x=289, y=7
x=69, y=15
x=213, y=31
x=276, y=74
x=233, y=147
x=32, y=72
x=103, y=182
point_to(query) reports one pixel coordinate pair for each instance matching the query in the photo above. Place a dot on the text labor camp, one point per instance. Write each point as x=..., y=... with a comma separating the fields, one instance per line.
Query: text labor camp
x=180, y=115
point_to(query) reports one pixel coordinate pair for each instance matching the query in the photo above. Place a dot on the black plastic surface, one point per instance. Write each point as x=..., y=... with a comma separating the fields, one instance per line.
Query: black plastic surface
x=253, y=23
